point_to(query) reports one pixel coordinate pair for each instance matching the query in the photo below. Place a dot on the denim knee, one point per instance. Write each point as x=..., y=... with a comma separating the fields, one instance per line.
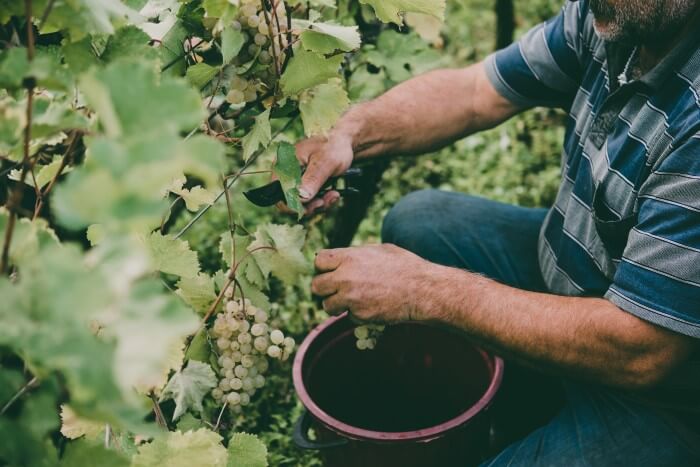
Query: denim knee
x=407, y=220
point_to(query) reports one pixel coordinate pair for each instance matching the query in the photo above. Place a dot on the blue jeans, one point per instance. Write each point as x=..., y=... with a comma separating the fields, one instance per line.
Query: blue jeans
x=546, y=421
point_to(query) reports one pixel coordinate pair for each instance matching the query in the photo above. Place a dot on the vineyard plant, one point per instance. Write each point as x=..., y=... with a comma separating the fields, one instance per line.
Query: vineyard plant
x=149, y=313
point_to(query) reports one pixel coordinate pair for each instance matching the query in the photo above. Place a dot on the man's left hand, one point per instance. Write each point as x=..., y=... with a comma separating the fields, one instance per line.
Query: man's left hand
x=378, y=283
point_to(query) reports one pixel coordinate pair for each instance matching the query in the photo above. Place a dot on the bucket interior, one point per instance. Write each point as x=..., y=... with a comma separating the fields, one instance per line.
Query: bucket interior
x=417, y=377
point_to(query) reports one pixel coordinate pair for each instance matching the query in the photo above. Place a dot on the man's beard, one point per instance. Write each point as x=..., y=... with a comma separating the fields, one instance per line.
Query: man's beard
x=639, y=21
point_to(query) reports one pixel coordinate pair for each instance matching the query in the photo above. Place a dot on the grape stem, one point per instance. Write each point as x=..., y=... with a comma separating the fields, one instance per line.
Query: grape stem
x=160, y=418
x=221, y=414
x=29, y=385
x=67, y=156
x=15, y=198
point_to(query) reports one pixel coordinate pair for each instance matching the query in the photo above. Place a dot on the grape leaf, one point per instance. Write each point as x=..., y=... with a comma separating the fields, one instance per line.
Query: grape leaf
x=196, y=197
x=129, y=42
x=199, y=348
x=247, y=265
x=288, y=171
x=82, y=453
x=322, y=106
x=392, y=11
x=245, y=450
x=308, y=69
x=197, y=291
x=176, y=449
x=30, y=237
x=188, y=387
x=260, y=135
x=45, y=174
x=142, y=104
x=285, y=260
x=162, y=18
x=189, y=422
x=73, y=426
x=328, y=38
x=232, y=41
x=172, y=256
x=200, y=74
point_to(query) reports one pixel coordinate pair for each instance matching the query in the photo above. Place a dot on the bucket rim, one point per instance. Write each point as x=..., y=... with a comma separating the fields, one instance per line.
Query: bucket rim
x=424, y=434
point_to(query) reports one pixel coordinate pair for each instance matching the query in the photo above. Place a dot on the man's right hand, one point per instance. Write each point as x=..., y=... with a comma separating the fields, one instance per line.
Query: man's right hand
x=323, y=159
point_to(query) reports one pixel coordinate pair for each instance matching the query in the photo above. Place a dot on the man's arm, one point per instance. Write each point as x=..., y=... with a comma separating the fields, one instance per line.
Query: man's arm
x=417, y=116
x=588, y=338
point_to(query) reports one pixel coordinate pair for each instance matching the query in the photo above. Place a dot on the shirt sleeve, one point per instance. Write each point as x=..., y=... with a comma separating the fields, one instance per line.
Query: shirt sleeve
x=658, y=278
x=544, y=68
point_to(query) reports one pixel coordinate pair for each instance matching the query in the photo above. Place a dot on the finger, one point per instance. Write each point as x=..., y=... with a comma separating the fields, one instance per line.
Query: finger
x=334, y=305
x=318, y=171
x=329, y=260
x=324, y=285
x=305, y=148
x=313, y=206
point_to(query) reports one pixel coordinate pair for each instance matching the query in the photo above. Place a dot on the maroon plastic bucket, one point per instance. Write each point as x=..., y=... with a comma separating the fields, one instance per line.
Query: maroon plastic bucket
x=420, y=398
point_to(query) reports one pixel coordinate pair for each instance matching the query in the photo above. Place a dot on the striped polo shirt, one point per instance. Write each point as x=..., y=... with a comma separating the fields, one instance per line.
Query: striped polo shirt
x=626, y=221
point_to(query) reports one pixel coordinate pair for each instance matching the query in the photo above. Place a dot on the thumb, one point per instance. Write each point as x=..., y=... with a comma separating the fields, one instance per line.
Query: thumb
x=317, y=174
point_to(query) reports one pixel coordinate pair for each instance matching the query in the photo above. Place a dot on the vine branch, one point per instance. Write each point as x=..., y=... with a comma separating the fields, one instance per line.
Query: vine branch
x=15, y=199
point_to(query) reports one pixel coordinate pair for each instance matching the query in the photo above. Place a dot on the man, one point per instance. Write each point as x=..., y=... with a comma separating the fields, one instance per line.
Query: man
x=603, y=289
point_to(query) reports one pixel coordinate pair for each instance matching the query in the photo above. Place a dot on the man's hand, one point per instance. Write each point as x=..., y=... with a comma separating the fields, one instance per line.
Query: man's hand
x=323, y=158
x=381, y=283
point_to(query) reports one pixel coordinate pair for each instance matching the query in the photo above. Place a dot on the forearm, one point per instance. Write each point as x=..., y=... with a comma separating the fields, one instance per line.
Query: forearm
x=590, y=338
x=425, y=113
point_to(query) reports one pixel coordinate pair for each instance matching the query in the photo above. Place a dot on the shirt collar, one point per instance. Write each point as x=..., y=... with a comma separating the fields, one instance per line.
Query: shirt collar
x=618, y=54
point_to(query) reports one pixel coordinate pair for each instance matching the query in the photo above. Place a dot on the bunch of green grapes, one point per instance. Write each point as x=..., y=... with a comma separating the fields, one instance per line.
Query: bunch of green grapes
x=246, y=343
x=264, y=32
x=367, y=335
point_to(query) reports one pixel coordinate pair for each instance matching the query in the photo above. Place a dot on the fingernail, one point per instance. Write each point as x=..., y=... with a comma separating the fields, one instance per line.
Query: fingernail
x=303, y=194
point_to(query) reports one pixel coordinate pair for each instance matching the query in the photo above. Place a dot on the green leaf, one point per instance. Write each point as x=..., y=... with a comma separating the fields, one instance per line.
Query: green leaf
x=189, y=386
x=73, y=426
x=308, y=69
x=131, y=43
x=259, y=136
x=189, y=422
x=197, y=291
x=14, y=66
x=82, y=453
x=201, y=74
x=172, y=256
x=285, y=260
x=322, y=106
x=80, y=56
x=199, y=348
x=29, y=239
x=246, y=450
x=143, y=103
x=232, y=41
x=328, y=38
x=194, y=448
x=393, y=11
x=246, y=262
x=288, y=171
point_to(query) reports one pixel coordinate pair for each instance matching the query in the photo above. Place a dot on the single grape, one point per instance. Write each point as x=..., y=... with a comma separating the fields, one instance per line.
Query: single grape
x=233, y=398
x=260, y=39
x=241, y=371
x=249, y=10
x=247, y=384
x=274, y=351
x=253, y=21
x=236, y=356
x=236, y=25
x=259, y=381
x=265, y=57
x=245, y=326
x=261, y=344
x=260, y=316
x=277, y=337
x=245, y=399
x=236, y=383
x=361, y=344
x=361, y=332
x=289, y=344
x=235, y=97
x=227, y=363
x=223, y=343
x=217, y=393
x=263, y=28
x=224, y=385
x=263, y=365
x=253, y=371
x=253, y=49
x=245, y=338
x=258, y=329
x=247, y=361
x=229, y=374
x=232, y=306
x=246, y=349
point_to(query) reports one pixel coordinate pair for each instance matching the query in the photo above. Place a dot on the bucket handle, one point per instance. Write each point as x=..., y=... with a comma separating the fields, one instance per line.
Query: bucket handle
x=301, y=438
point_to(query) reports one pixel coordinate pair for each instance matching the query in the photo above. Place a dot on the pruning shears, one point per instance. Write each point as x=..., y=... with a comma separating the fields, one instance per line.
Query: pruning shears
x=273, y=193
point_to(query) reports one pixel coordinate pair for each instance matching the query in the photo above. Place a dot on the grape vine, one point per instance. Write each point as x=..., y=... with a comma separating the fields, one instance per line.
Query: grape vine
x=117, y=120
